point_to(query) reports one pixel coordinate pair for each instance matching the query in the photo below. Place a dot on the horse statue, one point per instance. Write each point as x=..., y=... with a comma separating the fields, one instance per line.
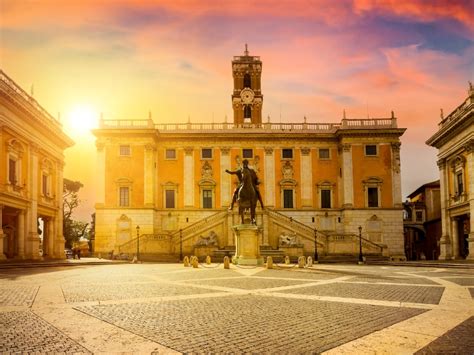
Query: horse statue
x=247, y=196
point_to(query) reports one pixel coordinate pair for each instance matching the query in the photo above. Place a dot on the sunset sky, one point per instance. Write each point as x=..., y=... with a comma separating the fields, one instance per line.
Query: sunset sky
x=173, y=58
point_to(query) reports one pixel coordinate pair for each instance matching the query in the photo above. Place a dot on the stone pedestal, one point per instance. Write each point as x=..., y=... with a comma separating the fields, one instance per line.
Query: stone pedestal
x=247, y=250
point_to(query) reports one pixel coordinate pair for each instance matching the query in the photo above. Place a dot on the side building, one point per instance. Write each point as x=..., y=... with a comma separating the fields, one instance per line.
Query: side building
x=31, y=176
x=455, y=143
x=167, y=182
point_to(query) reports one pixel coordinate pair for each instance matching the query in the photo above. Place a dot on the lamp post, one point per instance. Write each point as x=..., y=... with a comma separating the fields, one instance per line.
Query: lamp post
x=361, y=259
x=180, y=245
x=138, y=242
x=315, y=245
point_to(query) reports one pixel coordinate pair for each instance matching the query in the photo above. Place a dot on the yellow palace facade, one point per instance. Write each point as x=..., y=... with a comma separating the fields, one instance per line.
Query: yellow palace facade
x=317, y=179
x=32, y=148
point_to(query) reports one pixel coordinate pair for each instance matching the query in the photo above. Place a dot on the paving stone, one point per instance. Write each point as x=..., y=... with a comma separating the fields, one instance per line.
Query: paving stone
x=462, y=281
x=459, y=340
x=256, y=324
x=249, y=283
x=295, y=274
x=396, y=280
x=398, y=293
x=201, y=273
x=17, y=295
x=119, y=291
x=24, y=332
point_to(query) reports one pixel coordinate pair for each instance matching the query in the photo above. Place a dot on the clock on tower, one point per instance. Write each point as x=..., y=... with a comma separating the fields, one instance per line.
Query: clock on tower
x=247, y=97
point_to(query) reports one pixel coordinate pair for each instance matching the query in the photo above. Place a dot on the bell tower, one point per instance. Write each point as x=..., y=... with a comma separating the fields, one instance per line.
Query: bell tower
x=247, y=97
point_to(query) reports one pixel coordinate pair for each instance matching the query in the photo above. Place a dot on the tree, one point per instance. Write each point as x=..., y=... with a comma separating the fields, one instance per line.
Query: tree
x=72, y=230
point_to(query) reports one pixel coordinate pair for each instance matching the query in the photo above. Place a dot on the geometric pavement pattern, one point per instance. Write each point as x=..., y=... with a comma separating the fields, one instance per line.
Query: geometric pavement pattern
x=212, y=310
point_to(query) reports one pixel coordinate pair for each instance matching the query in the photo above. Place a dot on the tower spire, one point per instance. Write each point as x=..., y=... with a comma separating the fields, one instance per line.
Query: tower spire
x=246, y=50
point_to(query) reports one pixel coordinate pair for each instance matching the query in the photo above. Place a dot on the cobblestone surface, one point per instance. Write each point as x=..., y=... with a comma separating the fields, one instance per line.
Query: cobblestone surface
x=296, y=274
x=104, y=292
x=190, y=273
x=239, y=324
x=24, y=332
x=395, y=280
x=459, y=340
x=249, y=283
x=399, y=293
x=462, y=281
x=17, y=295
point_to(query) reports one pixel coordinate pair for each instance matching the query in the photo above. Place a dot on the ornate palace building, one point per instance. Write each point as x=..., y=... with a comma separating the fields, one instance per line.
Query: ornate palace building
x=31, y=176
x=455, y=143
x=167, y=182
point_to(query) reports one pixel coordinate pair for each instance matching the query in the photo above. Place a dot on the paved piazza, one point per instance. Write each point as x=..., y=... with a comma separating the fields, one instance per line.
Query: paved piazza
x=167, y=308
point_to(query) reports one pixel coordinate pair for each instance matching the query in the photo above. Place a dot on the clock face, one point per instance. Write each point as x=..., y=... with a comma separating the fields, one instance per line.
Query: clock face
x=247, y=95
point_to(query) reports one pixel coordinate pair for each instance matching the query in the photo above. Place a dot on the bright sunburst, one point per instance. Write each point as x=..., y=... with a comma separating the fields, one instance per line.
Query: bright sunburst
x=83, y=118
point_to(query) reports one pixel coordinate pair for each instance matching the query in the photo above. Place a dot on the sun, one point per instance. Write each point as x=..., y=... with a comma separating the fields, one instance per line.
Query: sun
x=83, y=118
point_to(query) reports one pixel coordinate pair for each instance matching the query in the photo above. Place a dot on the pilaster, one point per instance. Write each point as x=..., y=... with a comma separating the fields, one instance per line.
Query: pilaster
x=347, y=176
x=100, y=176
x=306, y=178
x=445, y=242
x=2, y=255
x=269, y=181
x=21, y=234
x=188, y=173
x=396, y=176
x=149, y=175
x=225, y=178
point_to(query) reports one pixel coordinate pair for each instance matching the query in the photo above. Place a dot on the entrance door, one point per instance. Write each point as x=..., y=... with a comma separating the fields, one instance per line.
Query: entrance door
x=463, y=234
x=9, y=241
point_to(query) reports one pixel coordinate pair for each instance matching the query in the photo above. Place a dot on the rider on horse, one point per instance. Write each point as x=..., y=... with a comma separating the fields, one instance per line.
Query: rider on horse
x=255, y=181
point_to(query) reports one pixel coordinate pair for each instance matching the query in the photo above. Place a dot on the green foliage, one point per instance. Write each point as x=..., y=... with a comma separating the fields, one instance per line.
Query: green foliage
x=72, y=230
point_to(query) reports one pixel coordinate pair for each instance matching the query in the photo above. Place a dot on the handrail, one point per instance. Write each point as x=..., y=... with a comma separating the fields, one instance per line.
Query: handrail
x=365, y=242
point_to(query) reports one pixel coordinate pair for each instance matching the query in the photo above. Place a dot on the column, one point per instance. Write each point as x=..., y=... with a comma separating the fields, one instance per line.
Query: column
x=445, y=241
x=470, y=168
x=266, y=225
x=21, y=234
x=347, y=177
x=188, y=188
x=100, y=174
x=50, y=230
x=149, y=175
x=306, y=178
x=455, y=238
x=396, y=176
x=226, y=179
x=59, y=240
x=269, y=177
x=2, y=255
x=31, y=232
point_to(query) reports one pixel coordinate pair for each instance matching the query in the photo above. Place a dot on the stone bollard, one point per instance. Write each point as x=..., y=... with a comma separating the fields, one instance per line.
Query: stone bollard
x=195, y=262
x=100, y=256
x=226, y=262
x=301, y=262
x=287, y=260
x=134, y=260
x=309, y=263
x=186, y=261
x=269, y=262
x=208, y=260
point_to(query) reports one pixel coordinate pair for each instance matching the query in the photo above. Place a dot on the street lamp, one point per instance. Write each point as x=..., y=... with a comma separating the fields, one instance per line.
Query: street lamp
x=315, y=245
x=361, y=259
x=180, y=245
x=138, y=242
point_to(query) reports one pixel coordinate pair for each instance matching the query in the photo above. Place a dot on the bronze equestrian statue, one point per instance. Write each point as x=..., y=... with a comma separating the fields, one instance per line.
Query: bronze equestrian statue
x=247, y=192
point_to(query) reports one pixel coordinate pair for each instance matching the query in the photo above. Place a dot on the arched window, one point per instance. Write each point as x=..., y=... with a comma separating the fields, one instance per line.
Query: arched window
x=247, y=82
x=247, y=111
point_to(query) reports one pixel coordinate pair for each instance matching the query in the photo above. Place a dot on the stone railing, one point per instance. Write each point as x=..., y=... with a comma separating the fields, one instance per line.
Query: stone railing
x=256, y=127
x=367, y=245
x=460, y=111
x=9, y=87
x=194, y=228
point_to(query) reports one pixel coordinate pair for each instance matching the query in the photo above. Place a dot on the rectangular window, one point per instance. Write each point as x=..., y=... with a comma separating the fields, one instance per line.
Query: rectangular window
x=371, y=150
x=207, y=198
x=460, y=183
x=325, y=198
x=125, y=150
x=323, y=153
x=287, y=153
x=419, y=216
x=206, y=153
x=170, y=203
x=45, y=185
x=373, y=196
x=247, y=153
x=287, y=198
x=124, y=197
x=12, y=171
x=170, y=154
